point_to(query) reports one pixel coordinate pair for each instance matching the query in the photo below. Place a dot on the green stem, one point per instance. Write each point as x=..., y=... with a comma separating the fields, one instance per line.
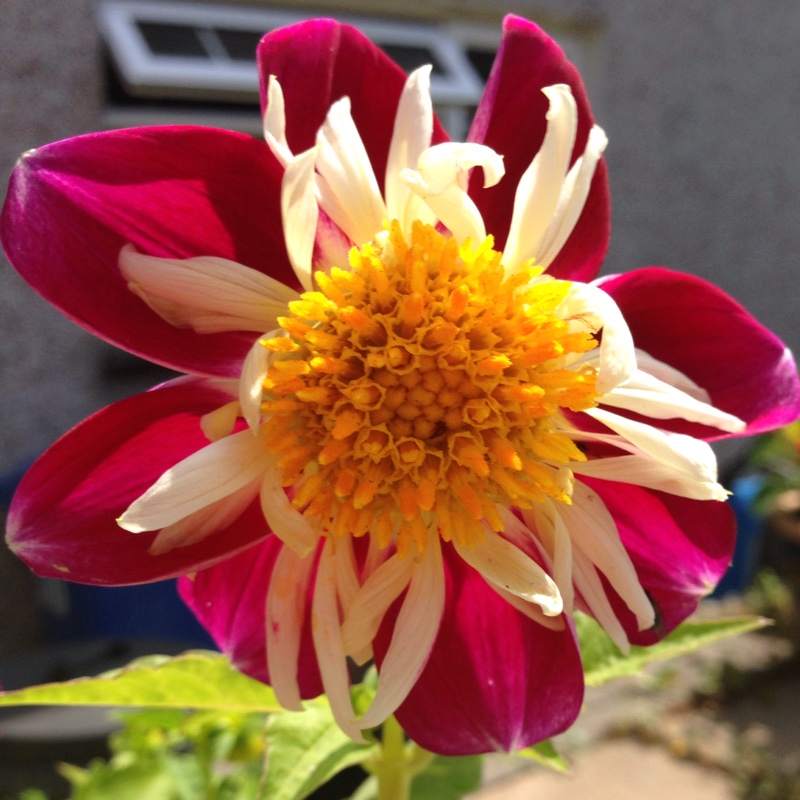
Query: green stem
x=393, y=767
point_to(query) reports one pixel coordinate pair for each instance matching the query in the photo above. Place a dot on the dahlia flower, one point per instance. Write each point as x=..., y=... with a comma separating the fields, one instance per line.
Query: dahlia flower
x=411, y=429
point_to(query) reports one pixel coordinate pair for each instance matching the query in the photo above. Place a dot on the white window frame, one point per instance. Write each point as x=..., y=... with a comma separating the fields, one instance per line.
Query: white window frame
x=146, y=73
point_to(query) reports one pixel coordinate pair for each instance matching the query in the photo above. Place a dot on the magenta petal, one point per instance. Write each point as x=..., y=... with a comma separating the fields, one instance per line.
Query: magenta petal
x=495, y=679
x=511, y=120
x=320, y=61
x=62, y=518
x=681, y=548
x=692, y=325
x=175, y=191
x=229, y=600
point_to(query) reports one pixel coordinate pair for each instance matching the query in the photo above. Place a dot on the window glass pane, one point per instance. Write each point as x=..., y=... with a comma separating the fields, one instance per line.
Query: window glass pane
x=410, y=57
x=481, y=60
x=239, y=45
x=164, y=39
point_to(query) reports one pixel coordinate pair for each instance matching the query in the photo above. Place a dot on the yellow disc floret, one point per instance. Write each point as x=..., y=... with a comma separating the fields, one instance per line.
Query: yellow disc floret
x=422, y=388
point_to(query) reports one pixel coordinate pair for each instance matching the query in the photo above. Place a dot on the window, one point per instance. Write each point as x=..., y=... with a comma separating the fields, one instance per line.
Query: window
x=194, y=62
x=163, y=55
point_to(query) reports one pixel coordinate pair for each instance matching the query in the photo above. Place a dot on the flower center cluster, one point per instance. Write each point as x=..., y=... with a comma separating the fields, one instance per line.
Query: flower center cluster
x=420, y=391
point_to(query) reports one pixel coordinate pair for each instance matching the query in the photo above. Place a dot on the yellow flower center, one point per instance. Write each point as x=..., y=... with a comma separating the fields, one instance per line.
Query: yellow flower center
x=421, y=390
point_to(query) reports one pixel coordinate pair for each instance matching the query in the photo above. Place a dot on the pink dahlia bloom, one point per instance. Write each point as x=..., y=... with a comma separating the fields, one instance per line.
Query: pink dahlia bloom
x=412, y=429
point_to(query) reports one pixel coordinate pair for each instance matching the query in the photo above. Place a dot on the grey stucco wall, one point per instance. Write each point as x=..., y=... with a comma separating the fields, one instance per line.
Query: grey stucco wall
x=49, y=89
x=703, y=104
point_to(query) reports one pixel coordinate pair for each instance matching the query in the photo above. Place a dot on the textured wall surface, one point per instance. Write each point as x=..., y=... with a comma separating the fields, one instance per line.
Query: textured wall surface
x=49, y=89
x=703, y=117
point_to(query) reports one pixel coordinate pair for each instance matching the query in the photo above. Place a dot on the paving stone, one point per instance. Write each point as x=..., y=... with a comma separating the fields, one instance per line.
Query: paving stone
x=621, y=769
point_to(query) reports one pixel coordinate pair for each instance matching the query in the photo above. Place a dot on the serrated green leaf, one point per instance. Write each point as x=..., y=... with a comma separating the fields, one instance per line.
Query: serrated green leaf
x=305, y=749
x=545, y=753
x=447, y=778
x=603, y=661
x=193, y=680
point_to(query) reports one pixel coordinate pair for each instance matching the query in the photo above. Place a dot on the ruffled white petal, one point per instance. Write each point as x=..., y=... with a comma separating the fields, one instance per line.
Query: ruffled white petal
x=539, y=189
x=254, y=370
x=286, y=522
x=573, y=198
x=347, y=582
x=441, y=178
x=348, y=190
x=205, y=521
x=644, y=470
x=590, y=587
x=413, y=128
x=453, y=207
x=594, y=533
x=674, y=377
x=530, y=610
x=326, y=632
x=550, y=195
x=275, y=122
x=692, y=458
x=449, y=163
x=543, y=518
x=590, y=307
x=413, y=637
x=221, y=421
x=207, y=294
x=300, y=213
x=505, y=565
x=218, y=470
x=286, y=608
x=651, y=397
x=384, y=585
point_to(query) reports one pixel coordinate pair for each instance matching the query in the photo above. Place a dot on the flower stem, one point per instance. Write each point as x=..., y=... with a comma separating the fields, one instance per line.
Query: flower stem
x=393, y=769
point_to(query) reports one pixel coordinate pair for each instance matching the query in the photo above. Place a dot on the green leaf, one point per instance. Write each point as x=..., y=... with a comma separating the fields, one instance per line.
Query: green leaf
x=307, y=748
x=603, y=661
x=132, y=782
x=368, y=790
x=544, y=753
x=193, y=680
x=447, y=778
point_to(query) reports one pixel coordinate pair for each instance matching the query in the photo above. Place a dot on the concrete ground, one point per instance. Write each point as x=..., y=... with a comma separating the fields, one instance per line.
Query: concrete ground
x=719, y=724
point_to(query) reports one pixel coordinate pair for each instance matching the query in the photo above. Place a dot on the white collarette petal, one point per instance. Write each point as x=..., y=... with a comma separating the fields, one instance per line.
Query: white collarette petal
x=413, y=128
x=441, y=178
x=218, y=470
x=413, y=636
x=589, y=306
x=205, y=521
x=593, y=531
x=286, y=522
x=386, y=583
x=254, y=370
x=692, y=457
x=651, y=397
x=327, y=635
x=285, y=613
x=348, y=189
x=208, y=294
x=539, y=190
x=300, y=213
x=505, y=565
x=573, y=197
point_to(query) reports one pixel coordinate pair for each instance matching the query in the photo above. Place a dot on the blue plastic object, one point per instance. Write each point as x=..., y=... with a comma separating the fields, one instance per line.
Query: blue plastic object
x=750, y=528
x=148, y=611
